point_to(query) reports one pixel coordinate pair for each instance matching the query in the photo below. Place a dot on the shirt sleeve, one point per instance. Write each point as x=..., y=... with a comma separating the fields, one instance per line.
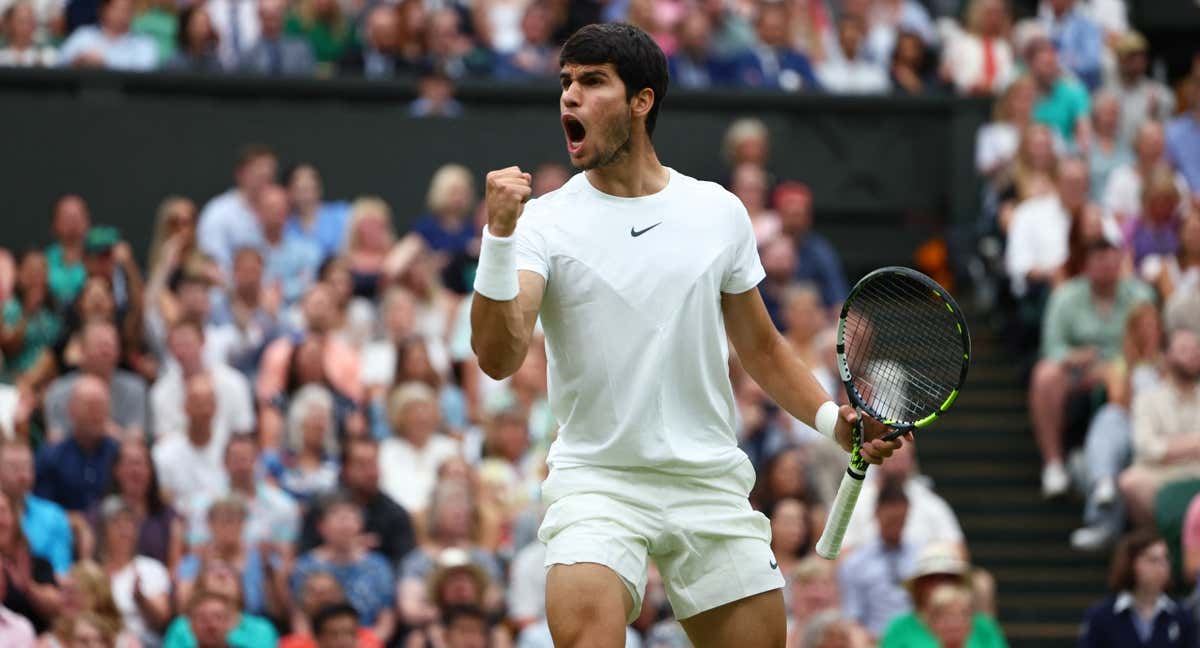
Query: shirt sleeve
x=1055, y=345
x=745, y=269
x=60, y=552
x=852, y=603
x=153, y=576
x=1149, y=443
x=531, y=249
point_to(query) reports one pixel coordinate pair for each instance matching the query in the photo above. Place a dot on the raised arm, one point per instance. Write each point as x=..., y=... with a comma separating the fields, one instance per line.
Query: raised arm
x=506, y=302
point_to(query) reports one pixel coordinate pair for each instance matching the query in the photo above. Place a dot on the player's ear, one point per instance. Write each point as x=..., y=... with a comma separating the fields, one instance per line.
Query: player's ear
x=642, y=102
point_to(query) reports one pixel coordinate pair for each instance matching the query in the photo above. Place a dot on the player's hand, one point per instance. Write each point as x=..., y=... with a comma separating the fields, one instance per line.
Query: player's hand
x=505, y=195
x=874, y=448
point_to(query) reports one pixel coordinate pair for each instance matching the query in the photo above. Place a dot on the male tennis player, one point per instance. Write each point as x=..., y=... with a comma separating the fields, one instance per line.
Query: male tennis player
x=639, y=273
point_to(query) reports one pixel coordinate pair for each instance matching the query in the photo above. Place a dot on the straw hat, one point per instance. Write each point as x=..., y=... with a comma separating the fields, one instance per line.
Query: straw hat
x=938, y=560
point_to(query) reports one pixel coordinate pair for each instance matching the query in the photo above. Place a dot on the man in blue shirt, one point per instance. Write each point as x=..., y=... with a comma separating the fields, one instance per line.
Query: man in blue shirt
x=227, y=222
x=289, y=261
x=773, y=63
x=44, y=522
x=871, y=580
x=74, y=472
x=320, y=223
x=1183, y=144
x=816, y=260
x=1079, y=41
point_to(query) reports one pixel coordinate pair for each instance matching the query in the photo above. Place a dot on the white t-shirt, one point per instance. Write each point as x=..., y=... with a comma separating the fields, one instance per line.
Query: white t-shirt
x=635, y=339
x=235, y=408
x=408, y=474
x=1037, y=239
x=1123, y=194
x=185, y=470
x=930, y=519
x=155, y=580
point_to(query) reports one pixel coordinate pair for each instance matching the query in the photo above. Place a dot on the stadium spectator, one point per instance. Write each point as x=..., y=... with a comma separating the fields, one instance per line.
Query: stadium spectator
x=248, y=315
x=15, y=630
x=1183, y=144
x=289, y=261
x=69, y=226
x=750, y=184
x=86, y=594
x=1139, y=611
x=772, y=62
x=814, y=592
x=321, y=600
x=816, y=259
x=322, y=223
x=1081, y=332
x=1108, y=446
x=938, y=566
x=850, y=69
x=806, y=329
x=223, y=227
x=454, y=521
x=140, y=585
x=997, y=142
x=197, y=43
x=886, y=19
x=1141, y=97
x=89, y=630
x=31, y=588
x=1062, y=102
x=779, y=262
x=190, y=463
x=156, y=19
x=1165, y=447
x=1123, y=195
x=1154, y=236
x=409, y=459
x=747, y=140
x=110, y=44
x=324, y=25
x=909, y=72
x=830, y=630
x=979, y=59
x=238, y=29
x=1038, y=233
x=1186, y=87
x=455, y=582
x=1182, y=270
x=448, y=50
x=435, y=93
x=219, y=582
x=263, y=583
x=448, y=227
x=277, y=53
x=22, y=47
x=306, y=468
x=1078, y=39
x=369, y=238
x=536, y=56
x=381, y=54
x=30, y=323
x=693, y=65
x=211, y=618
x=381, y=357
x=174, y=239
x=336, y=626
x=134, y=479
x=364, y=575
x=1108, y=150
x=732, y=30
x=74, y=472
x=272, y=517
x=871, y=579
x=43, y=522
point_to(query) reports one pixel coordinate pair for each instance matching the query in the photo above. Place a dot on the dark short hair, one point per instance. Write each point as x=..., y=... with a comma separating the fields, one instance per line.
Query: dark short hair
x=640, y=62
x=456, y=612
x=891, y=491
x=252, y=152
x=337, y=499
x=330, y=612
x=1121, y=576
x=352, y=441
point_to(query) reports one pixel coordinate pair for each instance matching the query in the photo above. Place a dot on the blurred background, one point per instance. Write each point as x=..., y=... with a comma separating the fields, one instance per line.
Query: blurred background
x=238, y=401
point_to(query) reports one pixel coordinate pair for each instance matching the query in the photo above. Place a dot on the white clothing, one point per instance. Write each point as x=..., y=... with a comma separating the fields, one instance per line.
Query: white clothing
x=226, y=224
x=853, y=77
x=527, y=583
x=128, y=51
x=1123, y=195
x=996, y=145
x=235, y=408
x=930, y=519
x=964, y=54
x=1037, y=239
x=408, y=474
x=154, y=581
x=32, y=57
x=185, y=470
x=635, y=337
x=248, y=30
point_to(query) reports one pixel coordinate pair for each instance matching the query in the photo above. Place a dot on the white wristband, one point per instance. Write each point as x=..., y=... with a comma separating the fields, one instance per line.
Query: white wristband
x=827, y=418
x=496, y=277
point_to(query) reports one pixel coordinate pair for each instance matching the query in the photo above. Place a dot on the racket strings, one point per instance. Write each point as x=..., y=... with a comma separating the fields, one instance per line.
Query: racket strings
x=903, y=347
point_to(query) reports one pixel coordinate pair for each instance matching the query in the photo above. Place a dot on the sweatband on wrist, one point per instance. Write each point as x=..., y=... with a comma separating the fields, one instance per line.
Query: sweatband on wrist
x=496, y=276
x=826, y=419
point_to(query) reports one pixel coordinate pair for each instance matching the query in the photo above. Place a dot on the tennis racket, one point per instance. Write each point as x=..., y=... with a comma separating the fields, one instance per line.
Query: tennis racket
x=902, y=352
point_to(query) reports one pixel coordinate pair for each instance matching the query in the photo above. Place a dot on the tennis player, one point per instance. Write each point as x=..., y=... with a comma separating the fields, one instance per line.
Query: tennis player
x=639, y=274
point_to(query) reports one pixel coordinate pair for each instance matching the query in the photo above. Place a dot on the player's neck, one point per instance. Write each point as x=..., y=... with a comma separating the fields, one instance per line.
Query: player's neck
x=639, y=173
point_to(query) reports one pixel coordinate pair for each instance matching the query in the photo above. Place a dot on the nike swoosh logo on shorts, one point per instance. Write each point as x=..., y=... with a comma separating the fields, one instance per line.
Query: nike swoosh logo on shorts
x=636, y=232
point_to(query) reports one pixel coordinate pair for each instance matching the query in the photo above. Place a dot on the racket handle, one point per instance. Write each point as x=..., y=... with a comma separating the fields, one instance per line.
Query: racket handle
x=830, y=543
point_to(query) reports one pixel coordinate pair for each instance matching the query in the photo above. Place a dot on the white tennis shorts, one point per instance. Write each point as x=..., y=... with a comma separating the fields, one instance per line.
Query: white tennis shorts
x=709, y=545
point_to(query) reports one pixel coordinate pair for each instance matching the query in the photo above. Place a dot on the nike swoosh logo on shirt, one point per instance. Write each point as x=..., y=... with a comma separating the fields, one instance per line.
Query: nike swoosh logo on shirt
x=636, y=232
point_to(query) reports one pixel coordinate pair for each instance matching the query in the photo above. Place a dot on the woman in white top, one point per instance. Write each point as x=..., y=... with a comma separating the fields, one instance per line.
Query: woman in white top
x=979, y=60
x=140, y=585
x=22, y=49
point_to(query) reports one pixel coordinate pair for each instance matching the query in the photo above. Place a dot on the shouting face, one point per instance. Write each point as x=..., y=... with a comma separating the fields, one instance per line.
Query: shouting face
x=597, y=117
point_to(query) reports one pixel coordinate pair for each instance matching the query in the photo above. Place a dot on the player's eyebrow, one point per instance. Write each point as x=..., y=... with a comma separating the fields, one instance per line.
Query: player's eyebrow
x=586, y=75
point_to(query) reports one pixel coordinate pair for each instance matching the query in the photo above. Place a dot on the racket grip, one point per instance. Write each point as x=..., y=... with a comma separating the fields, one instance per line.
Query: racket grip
x=830, y=543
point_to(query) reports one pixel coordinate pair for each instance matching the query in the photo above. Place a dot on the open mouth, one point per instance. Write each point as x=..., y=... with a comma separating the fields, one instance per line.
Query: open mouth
x=575, y=132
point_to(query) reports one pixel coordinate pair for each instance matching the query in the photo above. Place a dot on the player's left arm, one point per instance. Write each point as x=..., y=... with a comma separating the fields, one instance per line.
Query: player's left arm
x=778, y=369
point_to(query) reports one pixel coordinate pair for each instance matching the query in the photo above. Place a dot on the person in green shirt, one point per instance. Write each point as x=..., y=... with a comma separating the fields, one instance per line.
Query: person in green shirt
x=943, y=615
x=29, y=324
x=1062, y=102
x=215, y=609
x=157, y=20
x=65, y=256
x=1082, y=330
x=325, y=27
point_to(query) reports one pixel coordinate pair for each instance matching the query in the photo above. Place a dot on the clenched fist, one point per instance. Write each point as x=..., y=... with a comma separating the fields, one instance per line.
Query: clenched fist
x=505, y=196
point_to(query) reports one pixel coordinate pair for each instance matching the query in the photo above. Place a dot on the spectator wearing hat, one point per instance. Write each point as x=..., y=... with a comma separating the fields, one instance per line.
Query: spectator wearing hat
x=140, y=585
x=817, y=261
x=277, y=53
x=1082, y=331
x=107, y=257
x=69, y=226
x=435, y=93
x=1141, y=97
x=1062, y=102
x=227, y=222
x=456, y=582
x=190, y=463
x=110, y=44
x=1139, y=612
x=937, y=566
x=1078, y=39
x=871, y=580
x=74, y=472
x=1183, y=144
x=44, y=523
x=322, y=598
x=365, y=576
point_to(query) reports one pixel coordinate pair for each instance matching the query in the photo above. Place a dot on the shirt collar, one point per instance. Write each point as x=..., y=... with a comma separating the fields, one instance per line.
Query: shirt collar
x=1125, y=601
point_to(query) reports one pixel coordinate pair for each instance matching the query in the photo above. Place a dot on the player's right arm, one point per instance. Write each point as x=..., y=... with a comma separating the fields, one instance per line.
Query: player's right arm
x=506, y=303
